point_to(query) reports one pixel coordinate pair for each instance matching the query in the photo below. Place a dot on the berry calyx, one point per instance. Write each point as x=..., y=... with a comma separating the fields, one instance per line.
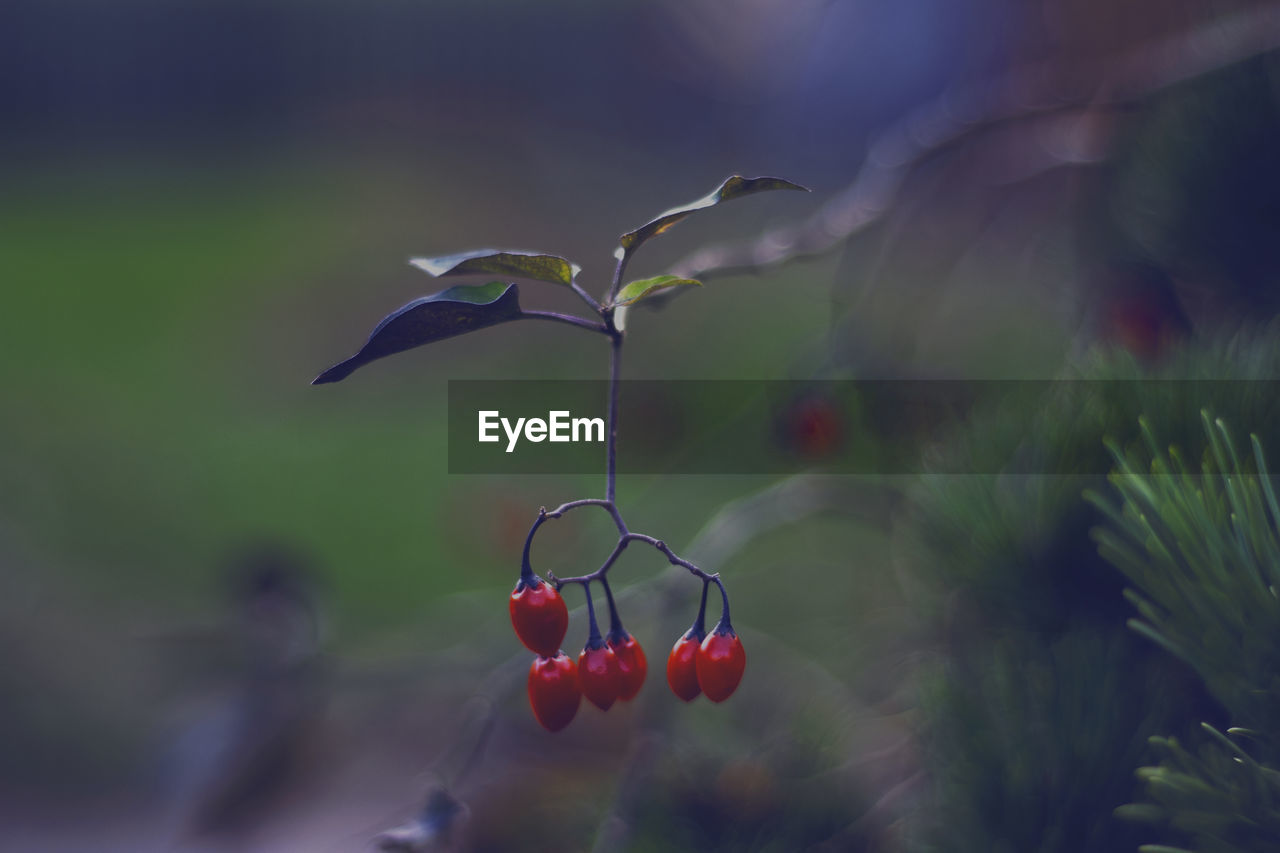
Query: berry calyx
x=632, y=665
x=682, y=674
x=554, y=694
x=720, y=663
x=539, y=615
x=599, y=675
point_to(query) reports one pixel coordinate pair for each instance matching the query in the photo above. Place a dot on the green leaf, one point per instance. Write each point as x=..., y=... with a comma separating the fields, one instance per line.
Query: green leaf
x=451, y=312
x=533, y=265
x=734, y=187
x=637, y=290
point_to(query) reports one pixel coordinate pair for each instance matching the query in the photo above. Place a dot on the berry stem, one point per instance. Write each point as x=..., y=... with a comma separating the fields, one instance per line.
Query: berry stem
x=598, y=574
x=724, y=598
x=615, y=622
x=526, y=568
x=594, y=640
x=661, y=546
x=670, y=555
x=607, y=505
x=699, y=626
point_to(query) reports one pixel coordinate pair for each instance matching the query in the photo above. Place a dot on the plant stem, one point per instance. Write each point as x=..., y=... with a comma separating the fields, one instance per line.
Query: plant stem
x=594, y=640
x=601, y=328
x=615, y=621
x=586, y=297
x=661, y=546
x=599, y=573
x=615, y=368
x=724, y=597
x=607, y=505
x=526, y=568
x=671, y=555
x=617, y=275
x=699, y=626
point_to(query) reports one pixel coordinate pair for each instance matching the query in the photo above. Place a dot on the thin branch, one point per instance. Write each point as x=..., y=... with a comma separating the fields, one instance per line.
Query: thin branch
x=615, y=621
x=623, y=257
x=674, y=559
x=608, y=505
x=594, y=640
x=567, y=318
x=586, y=297
x=623, y=540
x=599, y=573
x=526, y=566
x=615, y=368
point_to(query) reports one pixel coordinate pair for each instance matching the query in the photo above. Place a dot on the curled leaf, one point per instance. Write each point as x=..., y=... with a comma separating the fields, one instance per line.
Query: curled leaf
x=451, y=312
x=734, y=187
x=535, y=265
x=637, y=290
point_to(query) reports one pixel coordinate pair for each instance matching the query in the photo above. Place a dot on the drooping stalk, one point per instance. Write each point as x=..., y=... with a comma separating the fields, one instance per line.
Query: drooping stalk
x=615, y=368
x=625, y=536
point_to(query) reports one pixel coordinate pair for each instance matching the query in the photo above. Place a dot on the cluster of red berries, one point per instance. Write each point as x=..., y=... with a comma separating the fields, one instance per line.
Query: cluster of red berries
x=706, y=663
x=613, y=667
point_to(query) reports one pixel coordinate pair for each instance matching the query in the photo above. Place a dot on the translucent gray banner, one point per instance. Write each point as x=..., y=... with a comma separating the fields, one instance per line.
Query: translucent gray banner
x=843, y=427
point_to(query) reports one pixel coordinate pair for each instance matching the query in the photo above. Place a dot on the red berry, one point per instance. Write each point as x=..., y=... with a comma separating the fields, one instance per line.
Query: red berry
x=553, y=690
x=631, y=663
x=814, y=427
x=599, y=675
x=720, y=663
x=539, y=616
x=681, y=666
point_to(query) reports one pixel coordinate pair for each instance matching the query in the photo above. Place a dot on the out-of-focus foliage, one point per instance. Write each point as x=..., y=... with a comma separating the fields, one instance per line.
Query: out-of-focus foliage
x=1202, y=552
x=1032, y=742
x=1042, y=703
x=1168, y=262
x=1193, y=186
